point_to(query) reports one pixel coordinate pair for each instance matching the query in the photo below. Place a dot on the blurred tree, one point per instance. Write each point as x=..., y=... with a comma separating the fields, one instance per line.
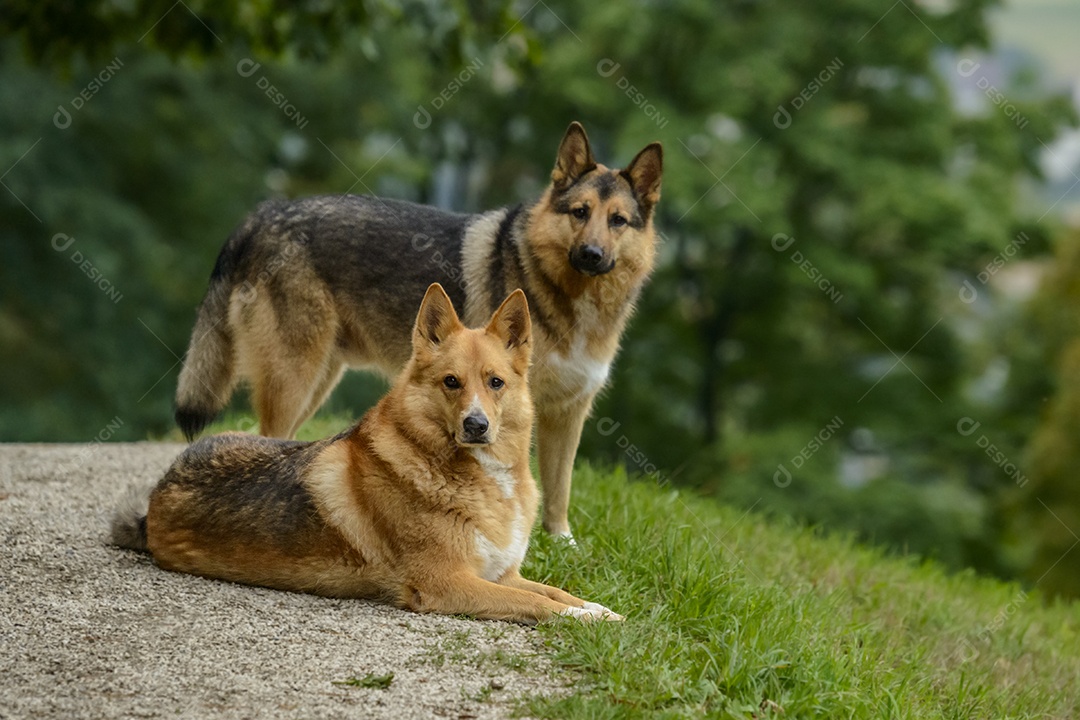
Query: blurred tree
x=1053, y=502
x=1045, y=512
x=59, y=32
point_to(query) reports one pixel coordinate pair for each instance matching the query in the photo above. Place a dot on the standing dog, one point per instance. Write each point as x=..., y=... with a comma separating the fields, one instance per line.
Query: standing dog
x=305, y=288
x=427, y=503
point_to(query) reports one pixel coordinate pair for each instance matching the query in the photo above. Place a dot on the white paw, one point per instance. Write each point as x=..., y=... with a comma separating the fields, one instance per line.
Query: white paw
x=567, y=537
x=591, y=611
x=604, y=612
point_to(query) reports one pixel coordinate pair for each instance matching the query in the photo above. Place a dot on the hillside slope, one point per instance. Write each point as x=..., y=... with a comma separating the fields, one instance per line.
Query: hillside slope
x=730, y=615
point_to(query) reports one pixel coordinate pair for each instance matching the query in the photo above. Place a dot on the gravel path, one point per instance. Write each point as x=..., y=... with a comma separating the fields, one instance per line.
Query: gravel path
x=91, y=631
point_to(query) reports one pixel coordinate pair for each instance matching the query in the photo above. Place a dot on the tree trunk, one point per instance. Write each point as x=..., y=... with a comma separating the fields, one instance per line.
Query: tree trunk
x=714, y=329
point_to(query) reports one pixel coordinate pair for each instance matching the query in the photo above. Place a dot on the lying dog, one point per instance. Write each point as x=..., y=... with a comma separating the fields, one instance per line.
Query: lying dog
x=427, y=503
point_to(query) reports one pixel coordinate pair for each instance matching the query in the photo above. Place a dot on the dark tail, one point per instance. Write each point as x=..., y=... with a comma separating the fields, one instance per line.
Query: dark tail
x=128, y=528
x=208, y=375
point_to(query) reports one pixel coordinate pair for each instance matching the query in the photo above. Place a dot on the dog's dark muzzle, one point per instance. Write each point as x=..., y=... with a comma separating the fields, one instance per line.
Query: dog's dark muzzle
x=591, y=260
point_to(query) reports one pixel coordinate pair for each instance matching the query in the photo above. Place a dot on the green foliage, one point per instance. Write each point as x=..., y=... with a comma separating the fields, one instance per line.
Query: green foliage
x=1045, y=513
x=58, y=33
x=732, y=616
x=941, y=517
x=103, y=191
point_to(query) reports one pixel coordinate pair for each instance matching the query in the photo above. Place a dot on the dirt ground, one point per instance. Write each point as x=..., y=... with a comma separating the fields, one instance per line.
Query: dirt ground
x=91, y=631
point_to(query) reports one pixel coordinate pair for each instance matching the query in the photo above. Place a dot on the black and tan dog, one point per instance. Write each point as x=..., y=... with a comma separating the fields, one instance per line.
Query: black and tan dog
x=427, y=503
x=304, y=289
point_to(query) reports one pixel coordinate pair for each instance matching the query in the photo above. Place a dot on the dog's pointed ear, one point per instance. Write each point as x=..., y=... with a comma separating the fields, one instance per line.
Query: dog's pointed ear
x=511, y=322
x=575, y=157
x=644, y=172
x=437, y=319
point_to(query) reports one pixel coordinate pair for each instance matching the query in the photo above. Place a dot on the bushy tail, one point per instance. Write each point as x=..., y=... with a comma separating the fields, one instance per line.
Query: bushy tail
x=208, y=375
x=128, y=528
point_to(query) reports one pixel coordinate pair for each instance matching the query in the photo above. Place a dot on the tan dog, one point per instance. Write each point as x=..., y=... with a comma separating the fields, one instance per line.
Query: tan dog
x=305, y=288
x=427, y=503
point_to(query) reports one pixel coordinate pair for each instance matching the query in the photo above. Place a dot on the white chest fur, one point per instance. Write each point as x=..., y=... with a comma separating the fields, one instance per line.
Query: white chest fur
x=498, y=471
x=495, y=560
x=578, y=372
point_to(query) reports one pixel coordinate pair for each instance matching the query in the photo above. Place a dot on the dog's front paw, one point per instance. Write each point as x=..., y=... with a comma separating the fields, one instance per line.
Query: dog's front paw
x=591, y=611
x=605, y=613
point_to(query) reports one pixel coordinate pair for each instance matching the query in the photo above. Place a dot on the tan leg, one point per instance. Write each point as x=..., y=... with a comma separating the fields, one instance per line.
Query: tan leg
x=466, y=594
x=277, y=403
x=513, y=579
x=558, y=433
x=516, y=581
x=284, y=356
x=331, y=376
x=282, y=393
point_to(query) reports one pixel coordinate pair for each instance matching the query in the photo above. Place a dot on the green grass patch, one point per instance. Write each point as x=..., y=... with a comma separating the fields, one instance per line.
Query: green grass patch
x=730, y=615
x=371, y=680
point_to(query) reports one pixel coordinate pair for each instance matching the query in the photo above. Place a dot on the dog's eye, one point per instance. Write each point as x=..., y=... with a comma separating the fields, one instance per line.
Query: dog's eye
x=495, y=383
x=451, y=382
x=581, y=212
x=618, y=220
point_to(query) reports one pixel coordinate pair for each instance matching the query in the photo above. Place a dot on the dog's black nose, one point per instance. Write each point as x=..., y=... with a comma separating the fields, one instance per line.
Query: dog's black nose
x=591, y=256
x=475, y=426
x=590, y=259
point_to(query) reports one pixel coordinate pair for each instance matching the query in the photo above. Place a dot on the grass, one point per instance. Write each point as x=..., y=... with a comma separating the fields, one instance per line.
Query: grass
x=452, y=647
x=730, y=615
x=371, y=680
x=457, y=647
